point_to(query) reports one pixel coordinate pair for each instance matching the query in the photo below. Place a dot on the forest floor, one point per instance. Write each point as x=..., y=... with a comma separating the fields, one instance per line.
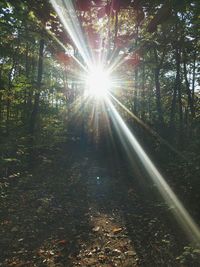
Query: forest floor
x=76, y=208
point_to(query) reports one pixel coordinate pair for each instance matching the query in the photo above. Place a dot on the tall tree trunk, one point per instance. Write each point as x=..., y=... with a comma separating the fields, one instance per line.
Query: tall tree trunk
x=188, y=91
x=136, y=72
x=1, y=108
x=194, y=75
x=26, y=71
x=179, y=91
x=26, y=107
x=157, y=85
x=30, y=91
x=173, y=109
x=116, y=29
x=1, y=95
x=108, y=41
x=158, y=97
x=143, y=100
x=35, y=111
x=177, y=88
x=8, y=101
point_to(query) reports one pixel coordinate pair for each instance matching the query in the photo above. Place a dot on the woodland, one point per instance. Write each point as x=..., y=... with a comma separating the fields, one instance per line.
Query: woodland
x=99, y=133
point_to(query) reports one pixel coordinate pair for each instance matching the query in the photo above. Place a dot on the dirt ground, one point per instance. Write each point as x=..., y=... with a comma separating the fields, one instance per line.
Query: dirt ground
x=76, y=208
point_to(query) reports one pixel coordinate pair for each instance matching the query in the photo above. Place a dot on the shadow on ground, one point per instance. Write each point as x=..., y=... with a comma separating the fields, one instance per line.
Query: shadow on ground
x=79, y=207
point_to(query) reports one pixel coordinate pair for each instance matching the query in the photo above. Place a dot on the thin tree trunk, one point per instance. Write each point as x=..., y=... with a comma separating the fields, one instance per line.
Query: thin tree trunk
x=179, y=91
x=26, y=71
x=158, y=97
x=143, y=102
x=116, y=28
x=135, y=100
x=188, y=91
x=157, y=85
x=8, y=101
x=194, y=75
x=173, y=109
x=30, y=91
x=1, y=95
x=35, y=111
x=176, y=89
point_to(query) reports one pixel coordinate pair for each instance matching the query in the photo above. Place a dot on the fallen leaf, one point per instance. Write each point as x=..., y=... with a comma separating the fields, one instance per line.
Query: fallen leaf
x=96, y=229
x=62, y=242
x=130, y=253
x=117, y=230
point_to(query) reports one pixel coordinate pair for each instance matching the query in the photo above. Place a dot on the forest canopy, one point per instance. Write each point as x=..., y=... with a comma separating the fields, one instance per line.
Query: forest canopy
x=157, y=45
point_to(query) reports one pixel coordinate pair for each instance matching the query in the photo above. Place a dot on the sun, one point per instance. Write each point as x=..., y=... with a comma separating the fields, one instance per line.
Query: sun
x=98, y=83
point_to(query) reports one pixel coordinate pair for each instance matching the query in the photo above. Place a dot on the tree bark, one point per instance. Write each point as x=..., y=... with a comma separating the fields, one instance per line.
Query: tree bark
x=1, y=95
x=157, y=86
x=188, y=91
x=177, y=88
x=116, y=28
x=143, y=100
x=194, y=75
x=136, y=72
x=179, y=91
x=35, y=111
x=8, y=101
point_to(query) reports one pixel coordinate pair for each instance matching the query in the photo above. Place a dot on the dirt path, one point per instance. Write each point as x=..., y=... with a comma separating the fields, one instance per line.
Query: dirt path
x=75, y=209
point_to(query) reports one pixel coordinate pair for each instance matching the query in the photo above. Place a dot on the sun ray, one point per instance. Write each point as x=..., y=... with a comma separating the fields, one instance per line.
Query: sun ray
x=66, y=50
x=67, y=14
x=68, y=17
x=180, y=213
x=146, y=127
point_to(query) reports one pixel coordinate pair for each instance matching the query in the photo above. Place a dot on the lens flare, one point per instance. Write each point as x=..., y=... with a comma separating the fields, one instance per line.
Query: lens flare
x=98, y=83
